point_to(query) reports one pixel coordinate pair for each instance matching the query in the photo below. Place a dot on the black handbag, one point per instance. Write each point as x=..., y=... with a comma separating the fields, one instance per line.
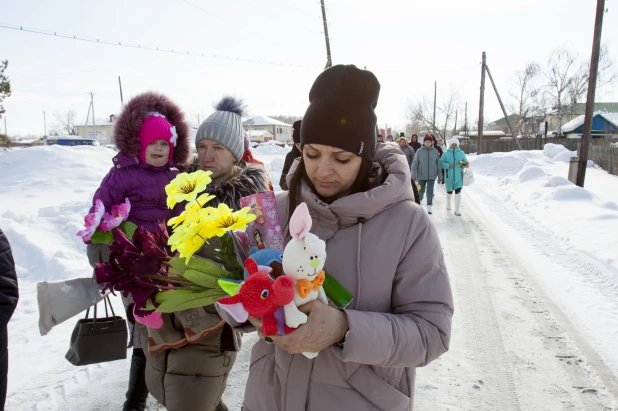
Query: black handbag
x=95, y=340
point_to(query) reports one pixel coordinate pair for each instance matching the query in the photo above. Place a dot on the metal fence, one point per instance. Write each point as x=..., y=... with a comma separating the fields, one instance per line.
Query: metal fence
x=601, y=151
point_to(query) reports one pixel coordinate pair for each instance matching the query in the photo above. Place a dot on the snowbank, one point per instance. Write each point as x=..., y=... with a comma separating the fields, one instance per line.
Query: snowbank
x=529, y=192
x=46, y=191
x=270, y=149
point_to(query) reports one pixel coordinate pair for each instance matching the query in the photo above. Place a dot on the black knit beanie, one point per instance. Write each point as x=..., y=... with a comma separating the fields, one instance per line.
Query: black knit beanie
x=341, y=111
x=296, y=132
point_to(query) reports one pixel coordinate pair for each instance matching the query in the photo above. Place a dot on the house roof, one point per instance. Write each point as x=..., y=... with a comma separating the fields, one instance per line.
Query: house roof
x=577, y=122
x=264, y=121
x=259, y=133
x=502, y=121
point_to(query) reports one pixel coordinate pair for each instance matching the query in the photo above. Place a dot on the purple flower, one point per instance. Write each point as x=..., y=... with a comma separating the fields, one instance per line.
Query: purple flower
x=132, y=262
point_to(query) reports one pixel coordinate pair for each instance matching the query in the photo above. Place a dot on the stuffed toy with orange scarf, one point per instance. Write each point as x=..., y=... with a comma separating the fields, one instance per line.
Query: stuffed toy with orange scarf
x=303, y=260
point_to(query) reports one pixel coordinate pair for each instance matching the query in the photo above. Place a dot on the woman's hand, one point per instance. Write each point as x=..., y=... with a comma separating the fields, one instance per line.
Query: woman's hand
x=450, y=166
x=325, y=326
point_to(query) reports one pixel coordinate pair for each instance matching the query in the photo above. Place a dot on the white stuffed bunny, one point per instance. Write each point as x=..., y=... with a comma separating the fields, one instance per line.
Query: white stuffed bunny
x=303, y=260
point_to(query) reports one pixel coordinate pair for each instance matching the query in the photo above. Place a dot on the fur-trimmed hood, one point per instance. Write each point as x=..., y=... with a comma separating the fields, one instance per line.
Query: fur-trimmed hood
x=130, y=121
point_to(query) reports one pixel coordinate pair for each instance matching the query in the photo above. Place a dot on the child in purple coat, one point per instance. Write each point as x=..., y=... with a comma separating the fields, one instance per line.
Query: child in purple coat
x=153, y=140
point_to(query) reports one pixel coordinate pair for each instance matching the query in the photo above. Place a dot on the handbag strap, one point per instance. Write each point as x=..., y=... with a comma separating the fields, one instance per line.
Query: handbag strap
x=106, y=301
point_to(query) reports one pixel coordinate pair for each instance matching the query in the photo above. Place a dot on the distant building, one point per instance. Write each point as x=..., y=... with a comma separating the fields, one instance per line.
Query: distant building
x=102, y=131
x=259, y=136
x=604, y=125
x=575, y=110
x=279, y=130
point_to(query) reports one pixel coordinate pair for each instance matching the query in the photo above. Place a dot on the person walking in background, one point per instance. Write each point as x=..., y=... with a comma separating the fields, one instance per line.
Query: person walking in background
x=437, y=145
x=414, y=143
x=453, y=162
x=426, y=168
x=9, y=295
x=153, y=139
x=292, y=155
x=406, y=149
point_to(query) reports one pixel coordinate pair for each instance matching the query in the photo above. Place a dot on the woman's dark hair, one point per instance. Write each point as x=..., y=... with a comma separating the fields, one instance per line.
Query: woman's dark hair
x=360, y=185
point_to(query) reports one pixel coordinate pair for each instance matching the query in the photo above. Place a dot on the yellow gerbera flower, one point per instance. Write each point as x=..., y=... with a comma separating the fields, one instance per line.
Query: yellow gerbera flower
x=190, y=209
x=191, y=236
x=186, y=187
x=224, y=219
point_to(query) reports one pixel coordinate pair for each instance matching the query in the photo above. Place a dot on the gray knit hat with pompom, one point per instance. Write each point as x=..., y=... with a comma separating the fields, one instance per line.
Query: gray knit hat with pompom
x=225, y=126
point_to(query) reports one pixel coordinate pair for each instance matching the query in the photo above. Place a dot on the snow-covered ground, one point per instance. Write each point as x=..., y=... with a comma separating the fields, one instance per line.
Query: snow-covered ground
x=532, y=263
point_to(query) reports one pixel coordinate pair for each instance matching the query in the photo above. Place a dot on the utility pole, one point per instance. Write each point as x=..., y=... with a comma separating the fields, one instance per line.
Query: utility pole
x=6, y=133
x=45, y=128
x=435, y=94
x=479, y=149
x=329, y=60
x=506, y=117
x=121, y=99
x=592, y=85
x=455, y=127
x=466, y=121
x=94, y=124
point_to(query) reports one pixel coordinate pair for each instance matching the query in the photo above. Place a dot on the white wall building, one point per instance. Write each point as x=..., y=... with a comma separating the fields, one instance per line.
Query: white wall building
x=280, y=131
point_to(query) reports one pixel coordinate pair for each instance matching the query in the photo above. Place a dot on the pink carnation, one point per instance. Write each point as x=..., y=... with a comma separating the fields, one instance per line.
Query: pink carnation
x=118, y=214
x=92, y=221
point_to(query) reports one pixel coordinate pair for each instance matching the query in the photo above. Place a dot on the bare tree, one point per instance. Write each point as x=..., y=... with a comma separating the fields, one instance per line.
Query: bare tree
x=65, y=123
x=420, y=114
x=527, y=101
x=606, y=75
x=566, y=79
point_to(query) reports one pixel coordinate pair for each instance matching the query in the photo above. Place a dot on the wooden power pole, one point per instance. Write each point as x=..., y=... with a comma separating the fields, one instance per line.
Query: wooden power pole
x=479, y=149
x=592, y=85
x=506, y=117
x=329, y=60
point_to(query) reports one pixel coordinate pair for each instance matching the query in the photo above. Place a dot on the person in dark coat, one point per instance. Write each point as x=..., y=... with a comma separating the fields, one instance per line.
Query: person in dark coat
x=415, y=144
x=9, y=295
x=292, y=155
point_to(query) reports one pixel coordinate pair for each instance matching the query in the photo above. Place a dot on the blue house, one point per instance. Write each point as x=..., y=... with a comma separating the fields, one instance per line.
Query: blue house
x=604, y=125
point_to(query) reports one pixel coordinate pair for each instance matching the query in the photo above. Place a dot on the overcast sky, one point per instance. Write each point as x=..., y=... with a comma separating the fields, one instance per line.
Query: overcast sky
x=408, y=44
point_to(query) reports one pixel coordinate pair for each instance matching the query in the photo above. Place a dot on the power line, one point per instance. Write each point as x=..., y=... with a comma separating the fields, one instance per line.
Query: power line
x=145, y=47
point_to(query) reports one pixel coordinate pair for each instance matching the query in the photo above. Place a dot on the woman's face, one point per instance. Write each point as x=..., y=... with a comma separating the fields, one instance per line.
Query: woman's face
x=216, y=158
x=331, y=170
x=454, y=145
x=158, y=153
x=402, y=143
x=414, y=138
x=428, y=143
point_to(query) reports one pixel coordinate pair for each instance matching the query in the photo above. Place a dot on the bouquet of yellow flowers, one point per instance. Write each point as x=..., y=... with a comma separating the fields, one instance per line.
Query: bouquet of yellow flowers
x=143, y=266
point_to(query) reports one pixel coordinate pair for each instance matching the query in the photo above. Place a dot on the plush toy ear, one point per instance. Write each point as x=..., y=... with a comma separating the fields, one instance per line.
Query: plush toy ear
x=235, y=309
x=315, y=245
x=251, y=266
x=300, y=223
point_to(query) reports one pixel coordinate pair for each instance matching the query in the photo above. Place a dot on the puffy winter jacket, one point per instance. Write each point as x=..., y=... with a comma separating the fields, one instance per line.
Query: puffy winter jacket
x=453, y=176
x=9, y=293
x=426, y=164
x=400, y=317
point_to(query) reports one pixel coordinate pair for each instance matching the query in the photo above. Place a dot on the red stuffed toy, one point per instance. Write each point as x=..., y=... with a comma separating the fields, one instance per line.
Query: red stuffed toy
x=259, y=296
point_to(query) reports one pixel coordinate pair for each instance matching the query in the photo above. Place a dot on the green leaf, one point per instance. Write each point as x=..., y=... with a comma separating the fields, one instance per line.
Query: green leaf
x=149, y=305
x=128, y=228
x=205, y=266
x=100, y=237
x=229, y=287
x=178, y=300
x=202, y=278
x=178, y=265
